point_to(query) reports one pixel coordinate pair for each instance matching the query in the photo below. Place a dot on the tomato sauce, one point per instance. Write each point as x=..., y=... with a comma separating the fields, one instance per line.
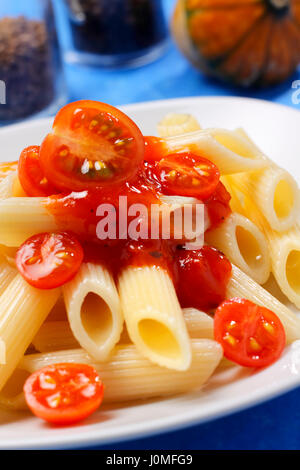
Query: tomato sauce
x=206, y=275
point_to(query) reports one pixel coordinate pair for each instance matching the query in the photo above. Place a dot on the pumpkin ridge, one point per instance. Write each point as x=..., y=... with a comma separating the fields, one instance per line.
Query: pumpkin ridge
x=259, y=79
x=293, y=42
x=266, y=23
x=296, y=23
x=266, y=50
x=220, y=60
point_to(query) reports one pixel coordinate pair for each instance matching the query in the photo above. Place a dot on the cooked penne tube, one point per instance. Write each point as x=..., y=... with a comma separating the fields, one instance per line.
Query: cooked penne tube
x=7, y=274
x=243, y=286
x=94, y=311
x=2, y=352
x=284, y=248
x=55, y=336
x=11, y=395
x=176, y=212
x=229, y=151
x=176, y=124
x=23, y=309
x=6, y=186
x=10, y=186
x=244, y=244
x=285, y=255
x=23, y=217
x=275, y=193
x=153, y=316
x=128, y=375
x=6, y=168
x=199, y=324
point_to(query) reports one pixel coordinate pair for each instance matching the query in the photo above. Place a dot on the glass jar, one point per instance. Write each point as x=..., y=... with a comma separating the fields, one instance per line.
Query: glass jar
x=115, y=32
x=31, y=78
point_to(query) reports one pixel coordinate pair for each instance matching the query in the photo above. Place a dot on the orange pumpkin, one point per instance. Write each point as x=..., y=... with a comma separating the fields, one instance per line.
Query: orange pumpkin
x=246, y=42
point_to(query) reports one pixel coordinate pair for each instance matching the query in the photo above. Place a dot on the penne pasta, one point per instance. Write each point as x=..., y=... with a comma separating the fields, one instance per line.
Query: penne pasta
x=6, y=186
x=176, y=124
x=11, y=395
x=23, y=217
x=230, y=152
x=243, y=286
x=122, y=316
x=275, y=194
x=128, y=375
x=2, y=352
x=199, y=324
x=176, y=213
x=7, y=168
x=10, y=186
x=283, y=248
x=22, y=311
x=153, y=316
x=7, y=274
x=244, y=244
x=94, y=311
x=285, y=255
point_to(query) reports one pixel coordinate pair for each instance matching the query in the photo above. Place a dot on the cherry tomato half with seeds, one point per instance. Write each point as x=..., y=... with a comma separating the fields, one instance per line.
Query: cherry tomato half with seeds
x=218, y=207
x=92, y=145
x=203, y=277
x=250, y=335
x=64, y=393
x=31, y=175
x=186, y=174
x=49, y=260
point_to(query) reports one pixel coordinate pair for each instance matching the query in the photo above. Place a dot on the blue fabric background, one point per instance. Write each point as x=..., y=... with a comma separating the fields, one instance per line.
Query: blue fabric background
x=273, y=425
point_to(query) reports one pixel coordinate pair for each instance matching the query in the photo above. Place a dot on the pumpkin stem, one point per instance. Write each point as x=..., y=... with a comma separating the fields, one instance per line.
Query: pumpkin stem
x=279, y=6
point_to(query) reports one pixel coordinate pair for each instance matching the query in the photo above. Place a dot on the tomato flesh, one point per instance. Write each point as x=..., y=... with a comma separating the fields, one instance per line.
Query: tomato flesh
x=92, y=145
x=31, y=175
x=251, y=335
x=218, y=207
x=155, y=148
x=186, y=174
x=64, y=393
x=49, y=260
x=203, y=277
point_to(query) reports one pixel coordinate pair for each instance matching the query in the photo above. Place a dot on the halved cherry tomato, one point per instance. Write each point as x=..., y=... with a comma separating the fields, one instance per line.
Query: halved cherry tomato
x=186, y=174
x=49, y=260
x=64, y=393
x=217, y=206
x=251, y=336
x=92, y=145
x=6, y=168
x=203, y=277
x=31, y=175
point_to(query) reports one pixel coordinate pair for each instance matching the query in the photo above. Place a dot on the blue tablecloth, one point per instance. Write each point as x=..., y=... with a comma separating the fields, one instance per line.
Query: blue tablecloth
x=273, y=425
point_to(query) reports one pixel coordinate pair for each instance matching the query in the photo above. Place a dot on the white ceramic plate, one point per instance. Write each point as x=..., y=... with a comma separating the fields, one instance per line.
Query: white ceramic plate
x=275, y=128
